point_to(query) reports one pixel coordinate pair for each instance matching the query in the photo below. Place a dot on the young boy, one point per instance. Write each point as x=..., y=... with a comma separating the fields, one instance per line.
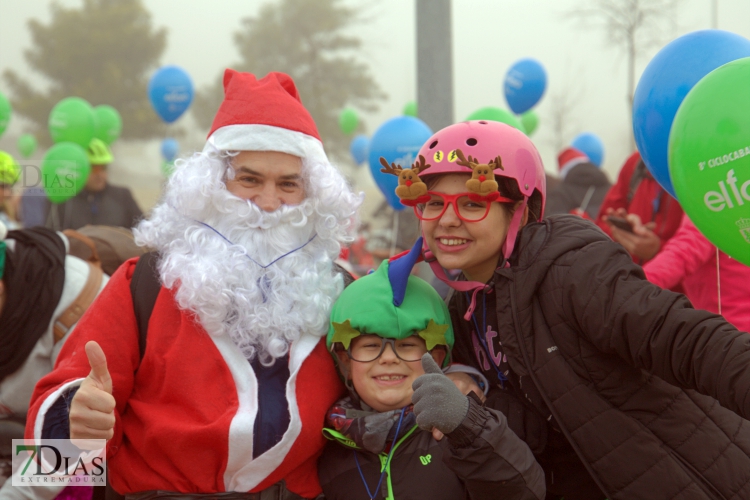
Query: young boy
x=389, y=334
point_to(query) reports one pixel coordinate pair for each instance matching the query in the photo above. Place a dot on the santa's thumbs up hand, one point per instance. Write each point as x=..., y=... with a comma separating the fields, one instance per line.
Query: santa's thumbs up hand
x=98, y=363
x=92, y=411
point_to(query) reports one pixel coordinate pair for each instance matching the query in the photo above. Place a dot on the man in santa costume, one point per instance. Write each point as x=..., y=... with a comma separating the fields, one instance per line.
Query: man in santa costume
x=234, y=383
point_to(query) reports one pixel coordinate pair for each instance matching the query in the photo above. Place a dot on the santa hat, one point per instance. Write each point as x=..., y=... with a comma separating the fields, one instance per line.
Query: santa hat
x=264, y=115
x=569, y=158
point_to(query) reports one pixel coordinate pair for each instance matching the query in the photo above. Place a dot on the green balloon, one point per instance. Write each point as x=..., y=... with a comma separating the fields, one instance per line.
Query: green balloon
x=9, y=169
x=497, y=115
x=410, y=109
x=709, y=157
x=108, y=123
x=348, y=120
x=26, y=145
x=5, y=112
x=530, y=122
x=72, y=120
x=65, y=169
x=167, y=168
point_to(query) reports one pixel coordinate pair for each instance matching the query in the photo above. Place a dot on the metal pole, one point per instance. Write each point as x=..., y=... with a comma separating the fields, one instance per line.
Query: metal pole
x=434, y=63
x=715, y=14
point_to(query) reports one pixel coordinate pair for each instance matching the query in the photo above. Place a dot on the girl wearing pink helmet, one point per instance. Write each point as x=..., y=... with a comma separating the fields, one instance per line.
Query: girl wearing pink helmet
x=621, y=389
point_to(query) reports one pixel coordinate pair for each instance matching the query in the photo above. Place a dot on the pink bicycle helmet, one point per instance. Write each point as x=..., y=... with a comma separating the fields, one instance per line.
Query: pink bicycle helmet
x=485, y=141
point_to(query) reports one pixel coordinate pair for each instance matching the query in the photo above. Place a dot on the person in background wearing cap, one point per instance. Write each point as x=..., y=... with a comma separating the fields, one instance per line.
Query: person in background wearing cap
x=582, y=188
x=99, y=202
x=9, y=173
x=386, y=427
x=621, y=389
x=651, y=214
x=39, y=282
x=230, y=393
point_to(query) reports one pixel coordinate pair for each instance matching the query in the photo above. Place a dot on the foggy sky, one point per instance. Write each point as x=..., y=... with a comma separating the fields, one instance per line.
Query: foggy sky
x=488, y=35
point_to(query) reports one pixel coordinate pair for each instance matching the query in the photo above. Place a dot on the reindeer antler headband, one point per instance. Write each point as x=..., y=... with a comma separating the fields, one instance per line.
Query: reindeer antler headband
x=482, y=185
x=412, y=191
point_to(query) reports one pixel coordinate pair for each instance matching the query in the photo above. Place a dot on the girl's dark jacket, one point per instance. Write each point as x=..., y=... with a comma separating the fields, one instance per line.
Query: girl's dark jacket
x=650, y=392
x=481, y=459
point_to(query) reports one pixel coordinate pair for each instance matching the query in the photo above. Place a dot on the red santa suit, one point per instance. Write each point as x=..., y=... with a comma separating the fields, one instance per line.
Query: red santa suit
x=185, y=413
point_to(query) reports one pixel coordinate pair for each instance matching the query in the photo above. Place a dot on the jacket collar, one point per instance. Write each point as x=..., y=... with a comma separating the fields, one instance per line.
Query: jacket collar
x=540, y=244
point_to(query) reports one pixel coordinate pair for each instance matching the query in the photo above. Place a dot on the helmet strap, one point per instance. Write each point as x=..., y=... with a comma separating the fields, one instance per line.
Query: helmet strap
x=476, y=286
x=515, y=225
x=461, y=286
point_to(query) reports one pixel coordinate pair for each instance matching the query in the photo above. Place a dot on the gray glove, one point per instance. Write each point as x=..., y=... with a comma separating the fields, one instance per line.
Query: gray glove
x=437, y=401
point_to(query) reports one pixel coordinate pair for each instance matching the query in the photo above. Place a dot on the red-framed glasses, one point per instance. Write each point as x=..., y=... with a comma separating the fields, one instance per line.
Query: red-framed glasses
x=469, y=207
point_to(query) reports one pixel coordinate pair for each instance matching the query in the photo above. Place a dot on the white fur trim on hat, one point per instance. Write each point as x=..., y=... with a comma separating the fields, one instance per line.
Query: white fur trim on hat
x=253, y=137
x=572, y=163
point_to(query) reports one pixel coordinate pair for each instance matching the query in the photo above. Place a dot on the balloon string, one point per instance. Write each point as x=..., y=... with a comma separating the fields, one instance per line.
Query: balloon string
x=718, y=279
x=394, y=240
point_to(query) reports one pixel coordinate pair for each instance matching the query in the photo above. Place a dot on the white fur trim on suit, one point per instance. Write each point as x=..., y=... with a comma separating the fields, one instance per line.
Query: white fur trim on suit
x=49, y=401
x=266, y=138
x=244, y=473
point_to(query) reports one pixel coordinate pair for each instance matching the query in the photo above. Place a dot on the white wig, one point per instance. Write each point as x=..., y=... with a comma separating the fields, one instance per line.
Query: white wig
x=215, y=248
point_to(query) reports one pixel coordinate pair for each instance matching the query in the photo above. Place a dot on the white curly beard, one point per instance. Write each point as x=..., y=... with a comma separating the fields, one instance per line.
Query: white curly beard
x=262, y=310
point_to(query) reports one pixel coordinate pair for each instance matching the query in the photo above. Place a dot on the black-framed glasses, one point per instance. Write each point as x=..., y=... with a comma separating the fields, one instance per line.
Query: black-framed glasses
x=366, y=348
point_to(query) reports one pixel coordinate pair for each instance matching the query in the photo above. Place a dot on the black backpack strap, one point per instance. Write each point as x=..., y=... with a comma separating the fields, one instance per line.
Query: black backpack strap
x=348, y=278
x=144, y=288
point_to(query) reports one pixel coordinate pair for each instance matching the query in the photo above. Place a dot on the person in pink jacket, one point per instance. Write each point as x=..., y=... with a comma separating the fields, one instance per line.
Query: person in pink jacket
x=689, y=257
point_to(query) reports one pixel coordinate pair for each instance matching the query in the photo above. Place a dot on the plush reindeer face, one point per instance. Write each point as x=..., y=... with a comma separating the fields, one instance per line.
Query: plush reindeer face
x=482, y=180
x=481, y=172
x=411, y=190
x=407, y=177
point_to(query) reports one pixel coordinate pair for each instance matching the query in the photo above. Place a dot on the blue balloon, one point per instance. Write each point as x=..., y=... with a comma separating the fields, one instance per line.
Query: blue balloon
x=171, y=92
x=525, y=83
x=590, y=145
x=358, y=148
x=169, y=149
x=398, y=141
x=664, y=84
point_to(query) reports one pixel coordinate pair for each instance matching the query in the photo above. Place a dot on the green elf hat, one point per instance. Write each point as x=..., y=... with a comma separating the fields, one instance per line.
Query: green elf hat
x=391, y=303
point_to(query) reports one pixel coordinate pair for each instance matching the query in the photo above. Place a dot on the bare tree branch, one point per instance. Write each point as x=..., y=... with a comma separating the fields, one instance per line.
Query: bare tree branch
x=630, y=26
x=563, y=101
